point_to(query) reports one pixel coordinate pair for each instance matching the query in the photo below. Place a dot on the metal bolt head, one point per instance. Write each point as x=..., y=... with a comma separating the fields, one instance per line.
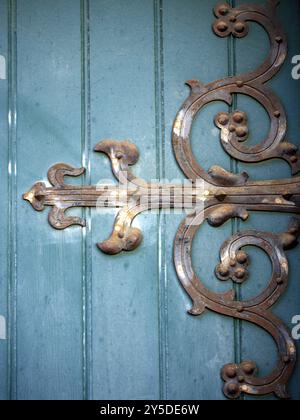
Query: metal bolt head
x=294, y=159
x=119, y=155
x=223, y=270
x=223, y=119
x=277, y=114
x=239, y=27
x=231, y=372
x=233, y=389
x=223, y=10
x=248, y=368
x=279, y=280
x=222, y=26
x=241, y=131
x=238, y=117
x=240, y=273
x=242, y=257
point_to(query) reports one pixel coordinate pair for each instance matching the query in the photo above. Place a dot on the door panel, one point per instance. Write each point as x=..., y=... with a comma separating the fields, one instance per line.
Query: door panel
x=83, y=325
x=48, y=291
x=125, y=323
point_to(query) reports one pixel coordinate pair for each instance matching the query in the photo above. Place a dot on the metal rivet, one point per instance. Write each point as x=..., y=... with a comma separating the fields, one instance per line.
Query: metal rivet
x=119, y=155
x=248, y=368
x=277, y=114
x=231, y=372
x=223, y=270
x=222, y=26
x=279, y=39
x=240, y=83
x=242, y=257
x=238, y=117
x=223, y=10
x=240, y=273
x=294, y=159
x=223, y=119
x=240, y=308
x=233, y=389
x=241, y=132
x=279, y=280
x=239, y=27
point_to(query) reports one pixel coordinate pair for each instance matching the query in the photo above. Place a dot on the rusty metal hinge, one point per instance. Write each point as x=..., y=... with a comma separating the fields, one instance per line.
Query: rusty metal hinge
x=218, y=197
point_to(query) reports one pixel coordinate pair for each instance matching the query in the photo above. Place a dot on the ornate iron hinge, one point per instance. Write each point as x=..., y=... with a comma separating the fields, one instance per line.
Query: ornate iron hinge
x=219, y=197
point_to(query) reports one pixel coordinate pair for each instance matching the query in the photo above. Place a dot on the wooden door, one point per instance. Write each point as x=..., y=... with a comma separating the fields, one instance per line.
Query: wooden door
x=81, y=324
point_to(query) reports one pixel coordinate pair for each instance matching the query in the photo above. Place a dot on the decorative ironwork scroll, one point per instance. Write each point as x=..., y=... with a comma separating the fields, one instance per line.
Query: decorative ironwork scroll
x=222, y=196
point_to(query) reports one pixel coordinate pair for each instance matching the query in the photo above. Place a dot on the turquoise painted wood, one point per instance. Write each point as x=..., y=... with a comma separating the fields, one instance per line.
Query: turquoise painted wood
x=4, y=210
x=82, y=325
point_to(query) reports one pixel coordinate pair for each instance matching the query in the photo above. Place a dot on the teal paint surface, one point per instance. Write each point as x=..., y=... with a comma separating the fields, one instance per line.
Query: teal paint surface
x=82, y=325
x=3, y=203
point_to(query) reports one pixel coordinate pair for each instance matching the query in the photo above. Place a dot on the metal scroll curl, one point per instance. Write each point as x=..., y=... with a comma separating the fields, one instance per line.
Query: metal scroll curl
x=234, y=130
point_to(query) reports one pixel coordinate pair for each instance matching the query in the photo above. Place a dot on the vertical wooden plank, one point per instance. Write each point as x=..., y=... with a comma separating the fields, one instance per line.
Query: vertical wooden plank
x=12, y=194
x=86, y=179
x=197, y=348
x=250, y=52
x=49, y=263
x=124, y=289
x=3, y=202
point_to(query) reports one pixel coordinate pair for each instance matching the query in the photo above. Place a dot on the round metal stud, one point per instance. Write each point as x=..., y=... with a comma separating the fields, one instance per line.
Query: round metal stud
x=239, y=27
x=223, y=270
x=248, y=368
x=238, y=117
x=294, y=159
x=240, y=273
x=223, y=10
x=222, y=26
x=223, y=119
x=231, y=372
x=233, y=389
x=242, y=257
x=277, y=114
x=241, y=132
